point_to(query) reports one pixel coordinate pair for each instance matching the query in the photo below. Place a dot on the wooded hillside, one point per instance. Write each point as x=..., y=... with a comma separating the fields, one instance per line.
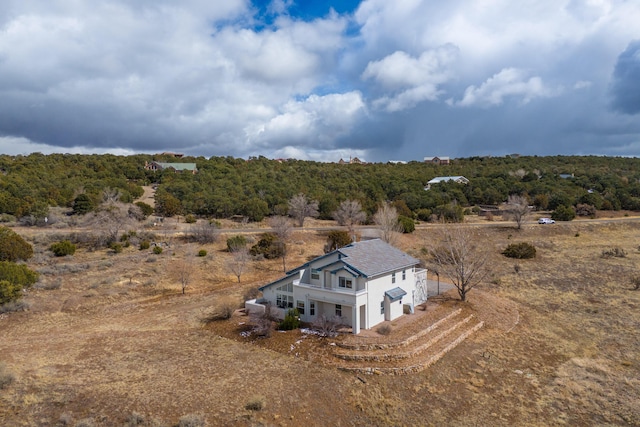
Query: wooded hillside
x=258, y=187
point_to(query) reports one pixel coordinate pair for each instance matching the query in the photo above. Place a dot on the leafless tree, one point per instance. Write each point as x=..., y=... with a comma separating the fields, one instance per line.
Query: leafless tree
x=239, y=262
x=204, y=231
x=281, y=227
x=350, y=214
x=182, y=271
x=518, y=209
x=300, y=208
x=387, y=219
x=110, y=219
x=460, y=256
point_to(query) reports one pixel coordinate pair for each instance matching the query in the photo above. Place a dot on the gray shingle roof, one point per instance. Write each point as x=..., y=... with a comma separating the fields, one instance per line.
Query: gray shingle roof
x=374, y=257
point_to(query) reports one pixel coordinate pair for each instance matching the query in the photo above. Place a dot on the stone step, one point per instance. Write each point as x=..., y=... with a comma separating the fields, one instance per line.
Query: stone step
x=378, y=344
x=419, y=361
x=414, y=349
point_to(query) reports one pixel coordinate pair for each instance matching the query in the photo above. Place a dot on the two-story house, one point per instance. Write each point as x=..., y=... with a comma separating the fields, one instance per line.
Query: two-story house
x=364, y=283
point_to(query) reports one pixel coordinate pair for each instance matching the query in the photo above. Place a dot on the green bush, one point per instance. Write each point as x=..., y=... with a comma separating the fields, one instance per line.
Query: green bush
x=268, y=247
x=424, y=214
x=563, y=213
x=202, y=253
x=13, y=278
x=236, y=243
x=190, y=219
x=157, y=250
x=291, y=321
x=520, y=250
x=145, y=208
x=63, y=248
x=337, y=239
x=116, y=247
x=145, y=244
x=408, y=225
x=13, y=247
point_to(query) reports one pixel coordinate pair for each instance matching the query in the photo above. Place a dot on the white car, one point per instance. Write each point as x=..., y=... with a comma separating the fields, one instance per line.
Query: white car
x=546, y=221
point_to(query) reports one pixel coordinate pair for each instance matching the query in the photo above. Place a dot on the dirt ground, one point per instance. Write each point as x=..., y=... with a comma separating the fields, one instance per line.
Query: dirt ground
x=110, y=335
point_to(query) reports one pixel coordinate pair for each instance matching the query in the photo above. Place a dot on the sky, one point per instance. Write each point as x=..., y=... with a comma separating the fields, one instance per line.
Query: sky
x=321, y=80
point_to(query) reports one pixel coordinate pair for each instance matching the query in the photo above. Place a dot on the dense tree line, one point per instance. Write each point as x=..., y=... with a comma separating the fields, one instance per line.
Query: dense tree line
x=259, y=187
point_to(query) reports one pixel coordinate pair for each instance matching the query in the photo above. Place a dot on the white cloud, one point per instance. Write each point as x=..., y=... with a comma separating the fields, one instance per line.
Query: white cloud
x=413, y=79
x=508, y=83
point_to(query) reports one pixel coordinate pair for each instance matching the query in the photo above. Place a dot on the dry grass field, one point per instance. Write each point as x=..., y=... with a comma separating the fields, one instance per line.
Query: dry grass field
x=110, y=340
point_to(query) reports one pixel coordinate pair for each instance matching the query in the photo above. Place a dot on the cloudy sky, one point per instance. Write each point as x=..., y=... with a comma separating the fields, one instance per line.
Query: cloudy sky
x=321, y=80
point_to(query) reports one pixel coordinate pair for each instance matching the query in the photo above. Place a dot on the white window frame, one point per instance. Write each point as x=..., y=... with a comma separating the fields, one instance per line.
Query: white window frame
x=300, y=307
x=393, y=277
x=345, y=282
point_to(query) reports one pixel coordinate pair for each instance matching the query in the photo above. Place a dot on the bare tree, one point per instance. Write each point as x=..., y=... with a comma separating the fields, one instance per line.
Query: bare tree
x=281, y=227
x=518, y=209
x=387, y=219
x=182, y=271
x=204, y=231
x=239, y=262
x=461, y=257
x=300, y=208
x=110, y=219
x=350, y=214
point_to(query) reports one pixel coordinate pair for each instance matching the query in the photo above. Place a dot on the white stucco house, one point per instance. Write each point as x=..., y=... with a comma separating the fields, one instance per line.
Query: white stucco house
x=365, y=283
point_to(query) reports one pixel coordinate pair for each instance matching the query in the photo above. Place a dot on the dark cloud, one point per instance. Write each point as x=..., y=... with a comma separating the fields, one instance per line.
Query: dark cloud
x=625, y=86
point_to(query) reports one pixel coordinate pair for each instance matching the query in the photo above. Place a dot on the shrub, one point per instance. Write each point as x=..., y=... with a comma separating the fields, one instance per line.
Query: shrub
x=145, y=244
x=586, y=210
x=327, y=326
x=291, y=321
x=63, y=248
x=116, y=247
x=135, y=419
x=424, y=214
x=9, y=291
x=520, y=250
x=267, y=246
x=13, y=306
x=145, y=208
x=563, y=213
x=192, y=420
x=202, y=253
x=157, y=250
x=13, y=247
x=223, y=310
x=614, y=252
x=190, y=219
x=336, y=240
x=6, y=378
x=408, y=225
x=235, y=243
x=384, y=329
x=256, y=403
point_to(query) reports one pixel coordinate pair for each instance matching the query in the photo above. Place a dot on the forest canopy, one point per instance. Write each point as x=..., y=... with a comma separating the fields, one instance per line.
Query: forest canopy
x=259, y=187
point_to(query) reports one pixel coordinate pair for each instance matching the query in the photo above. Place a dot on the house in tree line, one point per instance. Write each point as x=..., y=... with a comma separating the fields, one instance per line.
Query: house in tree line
x=352, y=161
x=177, y=167
x=363, y=283
x=438, y=160
x=438, y=179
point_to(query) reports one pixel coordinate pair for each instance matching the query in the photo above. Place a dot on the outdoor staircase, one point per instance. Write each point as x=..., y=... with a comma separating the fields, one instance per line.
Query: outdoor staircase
x=411, y=354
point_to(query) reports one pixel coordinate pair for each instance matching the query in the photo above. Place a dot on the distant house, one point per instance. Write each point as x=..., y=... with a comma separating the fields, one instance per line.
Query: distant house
x=438, y=160
x=177, y=167
x=352, y=161
x=566, y=175
x=364, y=284
x=458, y=179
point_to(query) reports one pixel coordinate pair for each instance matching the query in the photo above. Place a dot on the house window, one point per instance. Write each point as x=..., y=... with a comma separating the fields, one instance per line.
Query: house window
x=315, y=274
x=312, y=308
x=404, y=275
x=284, y=301
x=339, y=310
x=287, y=287
x=300, y=307
x=345, y=283
x=393, y=277
x=382, y=307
